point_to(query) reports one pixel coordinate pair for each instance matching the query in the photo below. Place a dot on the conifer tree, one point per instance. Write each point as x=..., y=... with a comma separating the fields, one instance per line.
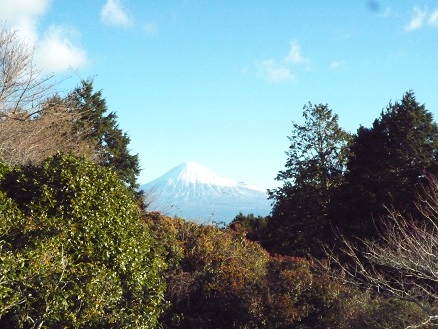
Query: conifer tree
x=112, y=143
x=388, y=162
x=314, y=169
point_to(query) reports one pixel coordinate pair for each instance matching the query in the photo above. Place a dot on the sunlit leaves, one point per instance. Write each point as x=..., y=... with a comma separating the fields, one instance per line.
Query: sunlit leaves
x=80, y=256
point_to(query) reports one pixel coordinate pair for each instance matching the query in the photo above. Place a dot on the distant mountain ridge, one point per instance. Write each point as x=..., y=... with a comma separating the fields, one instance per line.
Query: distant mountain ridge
x=194, y=192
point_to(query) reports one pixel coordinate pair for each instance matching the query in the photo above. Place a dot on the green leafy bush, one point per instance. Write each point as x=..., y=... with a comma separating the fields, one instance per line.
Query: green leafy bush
x=366, y=310
x=74, y=250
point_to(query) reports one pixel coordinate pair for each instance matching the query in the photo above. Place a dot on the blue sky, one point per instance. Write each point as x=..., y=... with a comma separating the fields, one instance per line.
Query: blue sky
x=220, y=82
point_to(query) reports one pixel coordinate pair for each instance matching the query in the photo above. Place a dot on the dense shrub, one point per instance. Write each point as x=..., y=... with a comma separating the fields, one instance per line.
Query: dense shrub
x=212, y=277
x=298, y=297
x=74, y=251
x=219, y=279
x=366, y=310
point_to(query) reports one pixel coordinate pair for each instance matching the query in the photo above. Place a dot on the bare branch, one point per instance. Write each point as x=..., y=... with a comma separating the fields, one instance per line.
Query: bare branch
x=403, y=261
x=22, y=89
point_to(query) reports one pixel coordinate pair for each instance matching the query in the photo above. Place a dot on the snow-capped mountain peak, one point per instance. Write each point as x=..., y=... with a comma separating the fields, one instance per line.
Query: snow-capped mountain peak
x=192, y=172
x=192, y=191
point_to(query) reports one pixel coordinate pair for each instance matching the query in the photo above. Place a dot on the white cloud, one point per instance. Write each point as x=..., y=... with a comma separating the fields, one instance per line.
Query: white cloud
x=113, y=13
x=295, y=55
x=12, y=10
x=417, y=20
x=421, y=18
x=280, y=70
x=56, y=53
x=27, y=30
x=433, y=19
x=274, y=72
x=22, y=15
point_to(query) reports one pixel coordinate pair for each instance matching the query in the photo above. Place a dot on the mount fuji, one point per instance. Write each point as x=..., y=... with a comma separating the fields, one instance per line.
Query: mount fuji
x=192, y=191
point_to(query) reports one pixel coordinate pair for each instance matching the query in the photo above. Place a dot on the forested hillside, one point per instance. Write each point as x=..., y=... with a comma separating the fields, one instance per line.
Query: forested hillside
x=352, y=240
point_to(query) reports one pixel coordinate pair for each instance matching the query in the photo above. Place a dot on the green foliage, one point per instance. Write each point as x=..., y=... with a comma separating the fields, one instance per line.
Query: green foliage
x=314, y=170
x=112, y=143
x=254, y=228
x=388, y=162
x=362, y=309
x=318, y=150
x=333, y=182
x=3, y=169
x=77, y=253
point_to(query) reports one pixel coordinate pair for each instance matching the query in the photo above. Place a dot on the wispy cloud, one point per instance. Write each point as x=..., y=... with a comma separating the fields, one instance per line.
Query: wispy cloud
x=55, y=50
x=433, y=19
x=338, y=65
x=387, y=12
x=295, y=55
x=273, y=71
x=280, y=70
x=417, y=21
x=422, y=17
x=113, y=13
x=57, y=53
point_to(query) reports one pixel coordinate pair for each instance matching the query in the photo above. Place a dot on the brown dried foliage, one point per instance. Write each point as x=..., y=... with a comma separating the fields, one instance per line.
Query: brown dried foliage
x=35, y=138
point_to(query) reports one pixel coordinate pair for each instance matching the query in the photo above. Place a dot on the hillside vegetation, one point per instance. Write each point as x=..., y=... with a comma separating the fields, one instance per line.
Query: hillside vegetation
x=352, y=240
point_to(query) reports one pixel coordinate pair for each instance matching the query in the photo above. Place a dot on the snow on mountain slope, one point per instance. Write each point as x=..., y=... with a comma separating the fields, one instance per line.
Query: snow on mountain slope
x=194, y=192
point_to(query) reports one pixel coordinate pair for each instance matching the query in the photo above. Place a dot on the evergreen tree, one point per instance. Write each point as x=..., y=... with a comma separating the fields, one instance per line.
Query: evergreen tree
x=314, y=169
x=251, y=226
x=112, y=143
x=387, y=163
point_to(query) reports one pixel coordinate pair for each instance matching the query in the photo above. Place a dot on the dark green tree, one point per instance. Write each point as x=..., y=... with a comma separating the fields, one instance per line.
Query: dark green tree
x=251, y=226
x=112, y=143
x=388, y=162
x=74, y=252
x=314, y=169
